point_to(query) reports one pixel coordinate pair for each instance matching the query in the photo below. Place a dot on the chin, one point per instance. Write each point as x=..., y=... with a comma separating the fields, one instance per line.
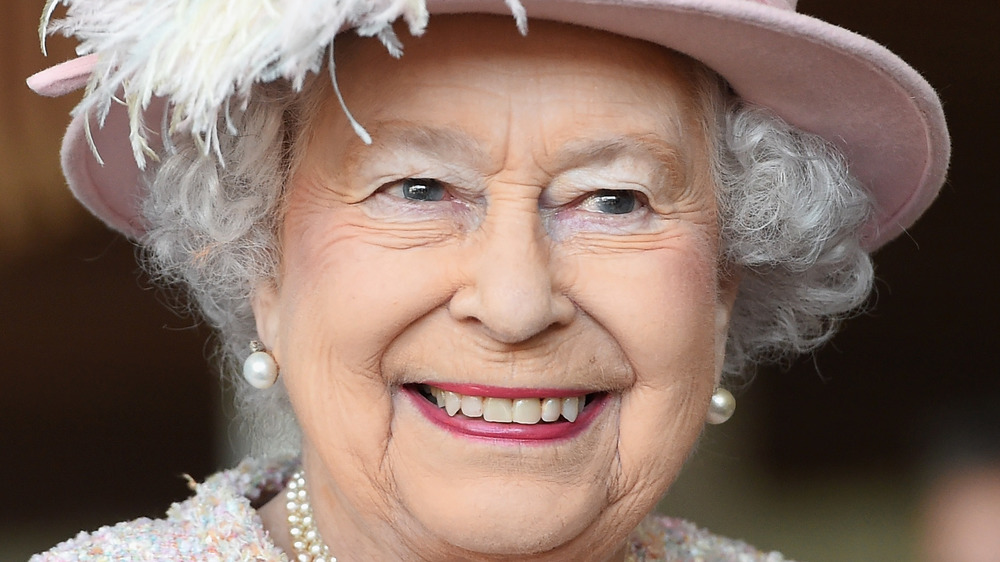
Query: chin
x=504, y=498
x=512, y=519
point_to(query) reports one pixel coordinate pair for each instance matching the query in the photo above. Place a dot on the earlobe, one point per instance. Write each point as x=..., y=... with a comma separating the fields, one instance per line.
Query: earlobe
x=265, y=311
x=729, y=287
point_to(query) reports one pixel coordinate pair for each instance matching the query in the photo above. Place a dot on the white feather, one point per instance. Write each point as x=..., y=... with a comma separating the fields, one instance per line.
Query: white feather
x=205, y=55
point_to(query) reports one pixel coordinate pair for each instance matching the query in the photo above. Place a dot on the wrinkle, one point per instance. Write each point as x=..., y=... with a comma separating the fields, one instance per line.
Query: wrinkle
x=405, y=236
x=568, y=357
x=667, y=160
x=603, y=245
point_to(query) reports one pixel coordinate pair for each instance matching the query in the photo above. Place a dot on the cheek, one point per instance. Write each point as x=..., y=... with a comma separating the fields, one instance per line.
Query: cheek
x=358, y=287
x=660, y=306
x=344, y=299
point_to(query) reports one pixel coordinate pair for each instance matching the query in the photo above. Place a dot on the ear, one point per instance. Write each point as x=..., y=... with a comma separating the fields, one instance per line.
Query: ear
x=729, y=287
x=266, y=313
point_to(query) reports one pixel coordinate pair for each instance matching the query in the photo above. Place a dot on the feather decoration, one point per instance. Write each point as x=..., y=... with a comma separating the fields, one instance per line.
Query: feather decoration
x=204, y=56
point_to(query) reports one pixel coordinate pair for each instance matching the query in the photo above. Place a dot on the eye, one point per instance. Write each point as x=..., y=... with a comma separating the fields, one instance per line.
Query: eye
x=422, y=189
x=611, y=202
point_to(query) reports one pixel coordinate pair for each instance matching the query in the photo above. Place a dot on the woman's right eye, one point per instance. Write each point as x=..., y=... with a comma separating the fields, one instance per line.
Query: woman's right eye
x=419, y=189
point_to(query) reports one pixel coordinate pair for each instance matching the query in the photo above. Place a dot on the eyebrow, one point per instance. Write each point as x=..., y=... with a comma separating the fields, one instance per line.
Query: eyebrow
x=668, y=159
x=450, y=145
x=442, y=143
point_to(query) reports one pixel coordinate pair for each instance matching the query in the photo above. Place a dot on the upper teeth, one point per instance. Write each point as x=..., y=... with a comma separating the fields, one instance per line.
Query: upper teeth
x=508, y=410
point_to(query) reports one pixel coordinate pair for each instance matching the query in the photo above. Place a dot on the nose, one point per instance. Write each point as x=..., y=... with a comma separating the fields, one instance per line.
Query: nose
x=510, y=289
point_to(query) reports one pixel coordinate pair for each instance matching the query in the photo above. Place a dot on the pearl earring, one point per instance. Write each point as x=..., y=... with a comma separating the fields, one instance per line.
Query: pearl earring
x=260, y=369
x=722, y=407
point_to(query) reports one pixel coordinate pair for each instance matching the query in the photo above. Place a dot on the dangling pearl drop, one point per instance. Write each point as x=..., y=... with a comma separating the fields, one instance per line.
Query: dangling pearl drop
x=260, y=369
x=722, y=407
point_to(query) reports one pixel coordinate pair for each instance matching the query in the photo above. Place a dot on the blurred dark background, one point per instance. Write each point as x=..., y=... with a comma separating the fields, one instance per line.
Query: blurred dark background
x=107, y=397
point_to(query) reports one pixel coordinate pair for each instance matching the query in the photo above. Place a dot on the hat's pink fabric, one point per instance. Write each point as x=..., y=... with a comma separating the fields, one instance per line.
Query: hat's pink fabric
x=819, y=77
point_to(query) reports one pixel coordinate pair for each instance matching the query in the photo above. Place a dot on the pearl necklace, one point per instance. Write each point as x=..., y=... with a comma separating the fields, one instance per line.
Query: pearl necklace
x=306, y=541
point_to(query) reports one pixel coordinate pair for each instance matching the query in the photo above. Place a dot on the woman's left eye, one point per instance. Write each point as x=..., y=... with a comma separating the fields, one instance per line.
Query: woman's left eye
x=421, y=189
x=611, y=202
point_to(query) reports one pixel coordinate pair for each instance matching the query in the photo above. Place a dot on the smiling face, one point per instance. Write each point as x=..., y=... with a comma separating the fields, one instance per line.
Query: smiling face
x=530, y=240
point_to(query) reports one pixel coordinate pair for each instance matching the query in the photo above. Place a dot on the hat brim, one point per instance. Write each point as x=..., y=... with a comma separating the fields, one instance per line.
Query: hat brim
x=821, y=78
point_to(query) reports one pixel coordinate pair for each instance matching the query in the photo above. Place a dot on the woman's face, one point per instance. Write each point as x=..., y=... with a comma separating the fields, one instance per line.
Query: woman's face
x=533, y=227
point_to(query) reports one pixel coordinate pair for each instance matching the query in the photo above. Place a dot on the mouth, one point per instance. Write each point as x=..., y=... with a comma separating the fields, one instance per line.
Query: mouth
x=502, y=413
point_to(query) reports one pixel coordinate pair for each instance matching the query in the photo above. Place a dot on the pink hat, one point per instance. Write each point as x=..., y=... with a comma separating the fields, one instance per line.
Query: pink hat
x=819, y=77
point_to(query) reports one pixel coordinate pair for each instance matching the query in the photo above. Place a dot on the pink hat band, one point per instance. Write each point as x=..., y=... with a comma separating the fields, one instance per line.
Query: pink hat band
x=821, y=78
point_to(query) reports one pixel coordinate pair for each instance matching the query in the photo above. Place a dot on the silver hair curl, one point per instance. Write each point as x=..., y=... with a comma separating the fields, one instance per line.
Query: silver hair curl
x=790, y=218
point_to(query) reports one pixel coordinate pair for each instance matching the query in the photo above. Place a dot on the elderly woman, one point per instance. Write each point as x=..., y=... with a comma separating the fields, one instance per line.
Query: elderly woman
x=487, y=293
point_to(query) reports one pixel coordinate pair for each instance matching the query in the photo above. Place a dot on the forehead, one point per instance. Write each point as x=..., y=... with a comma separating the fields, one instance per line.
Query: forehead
x=476, y=76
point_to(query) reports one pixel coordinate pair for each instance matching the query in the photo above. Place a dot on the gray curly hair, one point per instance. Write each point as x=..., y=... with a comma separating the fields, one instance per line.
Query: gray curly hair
x=790, y=225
